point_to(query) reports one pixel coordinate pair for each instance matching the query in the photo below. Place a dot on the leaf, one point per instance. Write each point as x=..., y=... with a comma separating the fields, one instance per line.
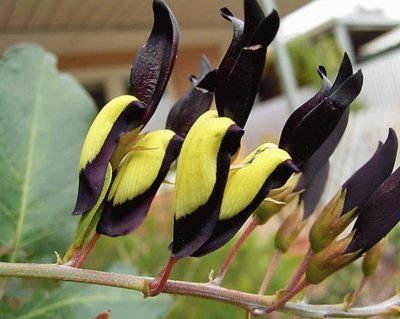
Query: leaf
x=44, y=116
x=76, y=300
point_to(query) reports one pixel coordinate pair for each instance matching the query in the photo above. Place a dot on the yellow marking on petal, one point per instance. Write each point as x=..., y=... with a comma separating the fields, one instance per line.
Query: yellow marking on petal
x=245, y=183
x=197, y=164
x=140, y=168
x=101, y=127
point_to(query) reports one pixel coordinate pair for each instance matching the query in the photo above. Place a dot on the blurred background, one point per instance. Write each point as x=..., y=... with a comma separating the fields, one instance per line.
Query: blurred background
x=97, y=40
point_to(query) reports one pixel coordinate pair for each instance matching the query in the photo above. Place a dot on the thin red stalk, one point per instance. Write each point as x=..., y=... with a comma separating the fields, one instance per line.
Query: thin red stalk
x=157, y=285
x=289, y=296
x=254, y=223
x=270, y=271
x=308, y=294
x=87, y=250
x=360, y=287
x=300, y=270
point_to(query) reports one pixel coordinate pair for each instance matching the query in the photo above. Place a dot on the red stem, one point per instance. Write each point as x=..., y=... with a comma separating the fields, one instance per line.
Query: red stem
x=88, y=249
x=254, y=223
x=289, y=296
x=271, y=269
x=360, y=287
x=300, y=270
x=156, y=285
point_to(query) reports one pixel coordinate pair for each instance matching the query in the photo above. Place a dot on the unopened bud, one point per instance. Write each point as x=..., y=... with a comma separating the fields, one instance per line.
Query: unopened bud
x=290, y=229
x=329, y=260
x=373, y=257
x=330, y=223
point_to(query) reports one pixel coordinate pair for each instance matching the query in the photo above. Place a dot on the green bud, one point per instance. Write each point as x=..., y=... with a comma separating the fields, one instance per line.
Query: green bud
x=290, y=229
x=330, y=223
x=329, y=260
x=373, y=257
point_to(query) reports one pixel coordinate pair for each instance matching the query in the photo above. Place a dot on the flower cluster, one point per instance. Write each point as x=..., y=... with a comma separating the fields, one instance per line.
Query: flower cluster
x=121, y=169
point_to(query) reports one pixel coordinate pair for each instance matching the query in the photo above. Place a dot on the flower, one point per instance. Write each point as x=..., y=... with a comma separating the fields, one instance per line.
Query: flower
x=342, y=209
x=377, y=209
x=215, y=137
x=128, y=114
x=146, y=165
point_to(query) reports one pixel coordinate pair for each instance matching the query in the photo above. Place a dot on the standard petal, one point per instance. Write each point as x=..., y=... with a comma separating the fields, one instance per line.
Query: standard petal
x=118, y=117
x=253, y=16
x=228, y=61
x=153, y=65
x=245, y=77
x=137, y=181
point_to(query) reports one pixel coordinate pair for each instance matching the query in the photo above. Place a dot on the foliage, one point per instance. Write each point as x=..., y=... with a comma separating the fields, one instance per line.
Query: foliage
x=306, y=53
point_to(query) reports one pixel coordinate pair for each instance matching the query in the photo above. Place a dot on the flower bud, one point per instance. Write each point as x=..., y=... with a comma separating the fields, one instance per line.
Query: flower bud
x=330, y=223
x=289, y=229
x=329, y=260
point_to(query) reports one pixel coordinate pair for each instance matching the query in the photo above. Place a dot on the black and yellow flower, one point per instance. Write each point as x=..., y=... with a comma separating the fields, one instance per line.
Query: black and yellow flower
x=126, y=115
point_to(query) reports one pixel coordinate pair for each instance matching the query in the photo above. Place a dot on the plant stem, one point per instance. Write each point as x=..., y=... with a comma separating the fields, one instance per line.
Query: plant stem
x=254, y=223
x=300, y=270
x=209, y=291
x=270, y=271
x=87, y=250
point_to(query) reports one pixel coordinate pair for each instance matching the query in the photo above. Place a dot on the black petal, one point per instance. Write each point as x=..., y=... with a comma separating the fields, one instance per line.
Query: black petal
x=314, y=190
x=245, y=77
x=228, y=61
x=295, y=118
x=225, y=229
x=345, y=71
x=377, y=216
x=91, y=178
x=195, y=102
x=193, y=230
x=253, y=16
x=125, y=218
x=153, y=65
x=371, y=175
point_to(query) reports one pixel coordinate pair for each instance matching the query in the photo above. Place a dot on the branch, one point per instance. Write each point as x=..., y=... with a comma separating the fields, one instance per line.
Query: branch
x=244, y=300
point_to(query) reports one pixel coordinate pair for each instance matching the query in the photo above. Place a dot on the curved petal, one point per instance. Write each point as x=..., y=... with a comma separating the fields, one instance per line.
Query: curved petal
x=345, y=71
x=360, y=186
x=115, y=119
x=153, y=65
x=253, y=16
x=245, y=77
x=137, y=182
x=228, y=61
x=296, y=117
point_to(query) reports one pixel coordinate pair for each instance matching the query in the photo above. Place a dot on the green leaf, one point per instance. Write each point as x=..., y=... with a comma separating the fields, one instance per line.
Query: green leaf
x=75, y=300
x=44, y=116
